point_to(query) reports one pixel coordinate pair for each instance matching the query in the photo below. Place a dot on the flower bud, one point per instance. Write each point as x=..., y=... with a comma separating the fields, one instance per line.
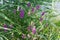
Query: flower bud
x=28, y=4
x=33, y=30
x=37, y=7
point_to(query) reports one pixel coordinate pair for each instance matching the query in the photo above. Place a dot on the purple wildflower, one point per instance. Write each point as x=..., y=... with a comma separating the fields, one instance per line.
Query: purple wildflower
x=14, y=11
x=23, y=36
x=28, y=4
x=43, y=13
x=41, y=19
x=5, y=27
x=37, y=7
x=33, y=30
x=21, y=13
x=32, y=10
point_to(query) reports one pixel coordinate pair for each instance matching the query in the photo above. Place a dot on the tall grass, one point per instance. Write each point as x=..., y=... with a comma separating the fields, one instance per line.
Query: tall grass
x=28, y=20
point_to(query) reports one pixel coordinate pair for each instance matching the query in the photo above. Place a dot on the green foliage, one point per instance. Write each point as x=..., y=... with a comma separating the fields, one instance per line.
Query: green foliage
x=45, y=29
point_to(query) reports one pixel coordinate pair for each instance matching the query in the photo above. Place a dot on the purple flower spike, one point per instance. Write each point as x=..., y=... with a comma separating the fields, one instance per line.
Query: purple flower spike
x=37, y=7
x=14, y=11
x=32, y=10
x=5, y=27
x=21, y=13
x=43, y=13
x=28, y=4
x=33, y=30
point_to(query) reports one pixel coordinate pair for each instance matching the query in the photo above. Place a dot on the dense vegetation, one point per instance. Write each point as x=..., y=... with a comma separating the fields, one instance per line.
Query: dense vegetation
x=28, y=20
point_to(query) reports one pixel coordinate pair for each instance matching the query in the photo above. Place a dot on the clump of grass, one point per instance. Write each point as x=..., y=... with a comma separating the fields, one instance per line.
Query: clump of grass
x=27, y=20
